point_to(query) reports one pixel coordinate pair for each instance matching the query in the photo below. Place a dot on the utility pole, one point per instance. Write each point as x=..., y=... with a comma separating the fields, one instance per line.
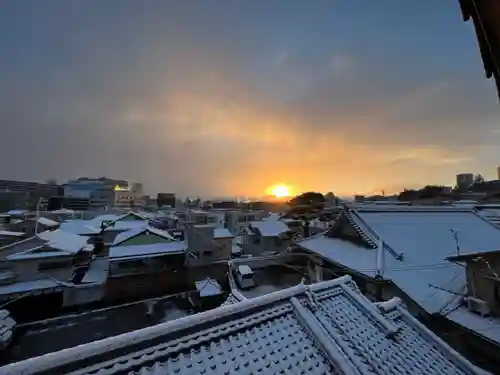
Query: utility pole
x=457, y=240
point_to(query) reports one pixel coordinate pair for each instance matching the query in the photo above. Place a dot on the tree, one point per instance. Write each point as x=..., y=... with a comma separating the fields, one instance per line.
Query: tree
x=51, y=181
x=308, y=199
x=478, y=179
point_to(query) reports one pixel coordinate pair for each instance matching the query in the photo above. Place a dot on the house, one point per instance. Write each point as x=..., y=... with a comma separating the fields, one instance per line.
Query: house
x=324, y=328
x=235, y=220
x=7, y=237
x=266, y=236
x=38, y=270
x=35, y=225
x=207, y=245
x=402, y=251
x=145, y=261
x=476, y=315
x=209, y=294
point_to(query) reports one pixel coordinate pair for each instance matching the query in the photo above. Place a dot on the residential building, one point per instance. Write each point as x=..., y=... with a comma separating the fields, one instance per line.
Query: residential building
x=8, y=237
x=237, y=221
x=166, y=200
x=32, y=226
x=465, y=180
x=145, y=261
x=402, y=251
x=478, y=311
x=324, y=328
x=207, y=244
x=38, y=271
x=266, y=236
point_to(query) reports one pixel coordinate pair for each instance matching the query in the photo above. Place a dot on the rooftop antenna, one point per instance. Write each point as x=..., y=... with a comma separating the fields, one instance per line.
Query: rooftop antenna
x=457, y=240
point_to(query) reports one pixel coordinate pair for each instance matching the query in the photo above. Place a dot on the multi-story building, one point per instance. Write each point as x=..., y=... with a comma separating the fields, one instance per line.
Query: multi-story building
x=91, y=193
x=128, y=195
x=465, y=180
x=166, y=199
x=23, y=194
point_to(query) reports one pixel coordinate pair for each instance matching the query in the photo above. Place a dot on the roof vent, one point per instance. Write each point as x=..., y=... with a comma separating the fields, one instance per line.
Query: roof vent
x=478, y=306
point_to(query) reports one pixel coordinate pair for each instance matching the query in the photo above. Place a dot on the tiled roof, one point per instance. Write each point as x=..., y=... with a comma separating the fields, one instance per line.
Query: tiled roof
x=208, y=287
x=64, y=241
x=325, y=328
x=80, y=227
x=117, y=253
x=230, y=300
x=416, y=242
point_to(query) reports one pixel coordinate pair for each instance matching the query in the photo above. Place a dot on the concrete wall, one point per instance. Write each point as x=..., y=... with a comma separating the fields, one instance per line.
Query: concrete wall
x=83, y=294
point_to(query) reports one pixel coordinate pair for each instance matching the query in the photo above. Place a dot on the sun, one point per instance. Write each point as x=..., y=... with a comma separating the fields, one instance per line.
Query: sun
x=279, y=191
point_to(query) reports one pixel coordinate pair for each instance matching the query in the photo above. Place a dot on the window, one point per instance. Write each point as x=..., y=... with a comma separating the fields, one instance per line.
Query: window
x=47, y=266
x=207, y=253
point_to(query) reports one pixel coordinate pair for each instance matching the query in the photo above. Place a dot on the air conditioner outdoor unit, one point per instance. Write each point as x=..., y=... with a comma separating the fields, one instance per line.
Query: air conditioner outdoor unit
x=478, y=306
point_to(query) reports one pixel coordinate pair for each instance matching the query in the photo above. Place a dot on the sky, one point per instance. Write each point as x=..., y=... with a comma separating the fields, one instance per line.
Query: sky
x=228, y=97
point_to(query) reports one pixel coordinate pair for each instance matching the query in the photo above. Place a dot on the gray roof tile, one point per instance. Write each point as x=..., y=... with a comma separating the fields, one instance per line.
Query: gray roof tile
x=325, y=328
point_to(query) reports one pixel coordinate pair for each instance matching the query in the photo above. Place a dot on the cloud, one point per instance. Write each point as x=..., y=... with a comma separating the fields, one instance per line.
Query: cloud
x=182, y=104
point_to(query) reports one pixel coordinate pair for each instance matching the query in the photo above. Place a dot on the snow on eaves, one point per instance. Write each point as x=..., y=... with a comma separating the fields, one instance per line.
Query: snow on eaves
x=208, y=288
x=47, y=222
x=117, y=253
x=65, y=241
x=124, y=236
x=222, y=233
x=270, y=228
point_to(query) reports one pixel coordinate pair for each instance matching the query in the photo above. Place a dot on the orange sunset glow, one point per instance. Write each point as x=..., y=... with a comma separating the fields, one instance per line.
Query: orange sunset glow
x=280, y=191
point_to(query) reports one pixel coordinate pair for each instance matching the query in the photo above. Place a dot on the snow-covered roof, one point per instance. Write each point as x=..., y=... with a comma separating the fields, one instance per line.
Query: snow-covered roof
x=80, y=227
x=65, y=241
x=222, y=233
x=270, y=228
x=343, y=253
x=47, y=222
x=96, y=221
x=17, y=212
x=124, y=236
x=416, y=242
x=97, y=272
x=34, y=286
x=117, y=253
x=487, y=327
x=7, y=233
x=231, y=299
x=325, y=328
x=245, y=270
x=208, y=287
x=63, y=211
x=126, y=224
x=139, y=216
